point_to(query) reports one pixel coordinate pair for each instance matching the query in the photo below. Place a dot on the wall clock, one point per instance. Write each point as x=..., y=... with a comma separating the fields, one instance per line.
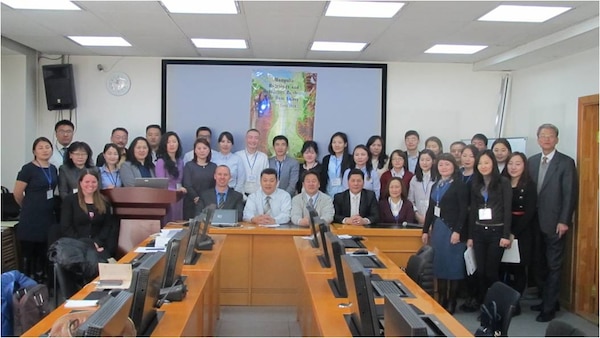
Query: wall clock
x=118, y=83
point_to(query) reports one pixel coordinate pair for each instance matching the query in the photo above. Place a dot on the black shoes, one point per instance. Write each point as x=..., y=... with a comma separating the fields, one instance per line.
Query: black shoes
x=517, y=310
x=540, y=307
x=451, y=308
x=470, y=305
x=545, y=316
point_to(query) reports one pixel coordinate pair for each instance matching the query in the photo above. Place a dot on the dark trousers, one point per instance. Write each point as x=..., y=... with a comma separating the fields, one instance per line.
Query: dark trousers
x=488, y=254
x=515, y=275
x=34, y=260
x=550, y=252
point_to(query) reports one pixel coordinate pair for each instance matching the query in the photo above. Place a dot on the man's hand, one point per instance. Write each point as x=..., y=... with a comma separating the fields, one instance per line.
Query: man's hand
x=561, y=229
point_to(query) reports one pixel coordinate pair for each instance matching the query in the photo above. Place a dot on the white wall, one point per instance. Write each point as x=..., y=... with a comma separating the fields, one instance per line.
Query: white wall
x=548, y=93
x=446, y=100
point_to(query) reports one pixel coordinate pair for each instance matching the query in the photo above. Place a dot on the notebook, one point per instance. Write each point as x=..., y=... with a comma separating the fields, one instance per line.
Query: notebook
x=225, y=218
x=152, y=182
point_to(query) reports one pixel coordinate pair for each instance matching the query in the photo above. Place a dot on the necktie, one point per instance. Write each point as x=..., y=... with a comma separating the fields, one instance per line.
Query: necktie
x=542, y=173
x=221, y=199
x=64, y=150
x=311, y=201
x=267, y=205
x=354, y=208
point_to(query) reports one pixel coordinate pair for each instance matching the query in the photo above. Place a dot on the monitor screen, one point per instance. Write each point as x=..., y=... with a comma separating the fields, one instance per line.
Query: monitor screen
x=110, y=319
x=324, y=257
x=315, y=220
x=401, y=320
x=145, y=286
x=204, y=238
x=336, y=249
x=176, y=248
x=191, y=256
x=360, y=297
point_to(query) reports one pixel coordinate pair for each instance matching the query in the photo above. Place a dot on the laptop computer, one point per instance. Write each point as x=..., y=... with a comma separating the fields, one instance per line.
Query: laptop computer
x=225, y=218
x=152, y=182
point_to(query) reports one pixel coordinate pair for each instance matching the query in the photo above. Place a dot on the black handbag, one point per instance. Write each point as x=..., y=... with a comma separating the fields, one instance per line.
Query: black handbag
x=491, y=321
x=10, y=207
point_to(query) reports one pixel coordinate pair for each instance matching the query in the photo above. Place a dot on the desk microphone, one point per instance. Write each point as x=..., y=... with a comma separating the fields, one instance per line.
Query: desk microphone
x=176, y=293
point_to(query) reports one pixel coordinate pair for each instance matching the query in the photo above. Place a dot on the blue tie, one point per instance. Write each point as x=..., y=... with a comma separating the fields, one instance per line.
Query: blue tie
x=221, y=199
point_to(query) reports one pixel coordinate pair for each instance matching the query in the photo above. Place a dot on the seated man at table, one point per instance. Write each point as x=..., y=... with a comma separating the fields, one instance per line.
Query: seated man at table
x=356, y=206
x=269, y=205
x=311, y=195
x=222, y=195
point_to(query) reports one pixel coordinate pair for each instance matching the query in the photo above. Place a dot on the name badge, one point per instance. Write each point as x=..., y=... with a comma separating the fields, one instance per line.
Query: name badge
x=75, y=190
x=336, y=182
x=485, y=214
x=49, y=194
x=178, y=186
x=251, y=178
x=437, y=211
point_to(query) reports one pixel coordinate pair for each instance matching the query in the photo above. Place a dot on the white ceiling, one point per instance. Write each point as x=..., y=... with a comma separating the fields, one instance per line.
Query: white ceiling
x=284, y=30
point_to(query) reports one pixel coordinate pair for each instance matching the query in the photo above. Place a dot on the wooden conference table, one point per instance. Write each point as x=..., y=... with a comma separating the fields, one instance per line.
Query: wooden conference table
x=194, y=316
x=319, y=312
x=260, y=265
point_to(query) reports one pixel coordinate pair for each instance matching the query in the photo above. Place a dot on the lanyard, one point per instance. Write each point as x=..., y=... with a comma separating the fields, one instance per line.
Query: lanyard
x=440, y=190
x=47, y=174
x=113, y=179
x=338, y=165
x=485, y=195
x=248, y=160
x=467, y=179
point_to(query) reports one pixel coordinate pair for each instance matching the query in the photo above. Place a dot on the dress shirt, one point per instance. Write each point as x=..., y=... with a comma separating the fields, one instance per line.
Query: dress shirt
x=253, y=165
x=372, y=183
x=281, y=205
x=58, y=155
x=412, y=162
x=236, y=167
x=110, y=178
x=287, y=173
x=323, y=204
x=354, y=204
x=419, y=193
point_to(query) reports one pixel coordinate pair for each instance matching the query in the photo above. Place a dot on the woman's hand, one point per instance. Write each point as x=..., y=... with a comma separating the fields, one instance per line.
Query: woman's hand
x=196, y=199
x=425, y=238
x=99, y=249
x=454, y=238
x=504, y=243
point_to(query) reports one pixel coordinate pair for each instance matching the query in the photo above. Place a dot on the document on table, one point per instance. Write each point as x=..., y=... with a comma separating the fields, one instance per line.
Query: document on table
x=114, y=276
x=512, y=255
x=269, y=225
x=470, y=264
x=79, y=303
x=147, y=249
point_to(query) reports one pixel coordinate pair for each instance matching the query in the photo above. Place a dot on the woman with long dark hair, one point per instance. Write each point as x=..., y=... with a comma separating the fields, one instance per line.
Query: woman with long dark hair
x=379, y=157
x=490, y=228
x=421, y=183
x=34, y=192
x=169, y=164
x=336, y=163
x=446, y=216
x=362, y=161
x=198, y=175
x=139, y=162
x=524, y=202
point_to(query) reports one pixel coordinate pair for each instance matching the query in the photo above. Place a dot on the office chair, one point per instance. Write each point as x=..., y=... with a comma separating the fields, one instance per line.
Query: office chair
x=506, y=299
x=66, y=282
x=420, y=268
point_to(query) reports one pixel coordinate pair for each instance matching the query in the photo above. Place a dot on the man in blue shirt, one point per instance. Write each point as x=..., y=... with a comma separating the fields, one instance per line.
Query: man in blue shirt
x=269, y=205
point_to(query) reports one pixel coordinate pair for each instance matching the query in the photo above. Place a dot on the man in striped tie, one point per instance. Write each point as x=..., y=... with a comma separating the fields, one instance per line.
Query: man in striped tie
x=269, y=205
x=222, y=195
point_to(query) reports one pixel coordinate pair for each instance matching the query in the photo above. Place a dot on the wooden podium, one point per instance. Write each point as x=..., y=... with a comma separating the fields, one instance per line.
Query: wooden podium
x=140, y=211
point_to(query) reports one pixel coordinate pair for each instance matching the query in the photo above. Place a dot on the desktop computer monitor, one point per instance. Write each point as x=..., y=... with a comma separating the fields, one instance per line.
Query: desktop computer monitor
x=191, y=256
x=176, y=248
x=145, y=286
x=401, y=320
x=204, y=242
x=110, y=319
x=363, y=316
x=335, y=250
x=324, y=257
x=315, y=220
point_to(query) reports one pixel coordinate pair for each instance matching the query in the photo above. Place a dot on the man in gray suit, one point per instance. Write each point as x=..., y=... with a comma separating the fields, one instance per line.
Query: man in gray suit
x=556, y=178
x=287, y=167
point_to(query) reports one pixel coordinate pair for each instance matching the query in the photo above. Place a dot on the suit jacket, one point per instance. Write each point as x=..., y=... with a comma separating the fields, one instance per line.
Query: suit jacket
x=347, y=162
x=130, y=172
x=368, y=208
x=407, y=212
x=454, y=206
x=558, y=195
x=324, y=207
x=288, y=173
x=68, y=179
x=234, y=200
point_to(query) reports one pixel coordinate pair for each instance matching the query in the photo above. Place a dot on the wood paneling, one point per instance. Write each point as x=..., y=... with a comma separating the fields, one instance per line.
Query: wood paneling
x=586, y=229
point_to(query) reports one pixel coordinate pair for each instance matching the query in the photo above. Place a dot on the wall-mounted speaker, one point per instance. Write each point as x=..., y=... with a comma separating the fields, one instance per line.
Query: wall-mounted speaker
x=60, y=86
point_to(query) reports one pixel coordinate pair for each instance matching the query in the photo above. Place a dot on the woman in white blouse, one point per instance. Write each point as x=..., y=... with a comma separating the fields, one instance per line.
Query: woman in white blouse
x=421, y=183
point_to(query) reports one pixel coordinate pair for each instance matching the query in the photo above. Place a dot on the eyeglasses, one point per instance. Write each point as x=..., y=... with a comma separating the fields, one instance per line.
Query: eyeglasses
x=80, y=154
x=64, y=132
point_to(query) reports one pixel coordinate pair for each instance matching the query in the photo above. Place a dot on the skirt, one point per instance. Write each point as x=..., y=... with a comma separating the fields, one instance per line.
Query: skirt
x=448, y=259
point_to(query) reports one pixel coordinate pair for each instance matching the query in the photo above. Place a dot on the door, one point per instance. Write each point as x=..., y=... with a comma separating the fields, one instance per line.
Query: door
x=586, y=229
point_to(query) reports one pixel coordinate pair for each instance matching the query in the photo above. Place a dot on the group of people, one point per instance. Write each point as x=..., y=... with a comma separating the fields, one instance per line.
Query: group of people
x=469, y=197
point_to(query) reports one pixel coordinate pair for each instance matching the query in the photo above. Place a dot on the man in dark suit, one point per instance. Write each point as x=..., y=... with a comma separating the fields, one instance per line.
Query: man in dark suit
x=556, y=178
x=356, y=205
x=222, y=195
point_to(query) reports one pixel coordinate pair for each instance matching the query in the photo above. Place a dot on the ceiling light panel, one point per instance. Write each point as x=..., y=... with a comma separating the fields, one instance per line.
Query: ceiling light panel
x=329, y=46
x=42, y=4
x=358, y=9
x=100, y=41
x=201, y=6
x=455, y=49
x=220, y=43
x=510, y=13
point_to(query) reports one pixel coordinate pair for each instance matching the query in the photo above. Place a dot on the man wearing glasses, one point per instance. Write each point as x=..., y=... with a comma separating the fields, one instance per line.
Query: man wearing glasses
x=64, y=130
